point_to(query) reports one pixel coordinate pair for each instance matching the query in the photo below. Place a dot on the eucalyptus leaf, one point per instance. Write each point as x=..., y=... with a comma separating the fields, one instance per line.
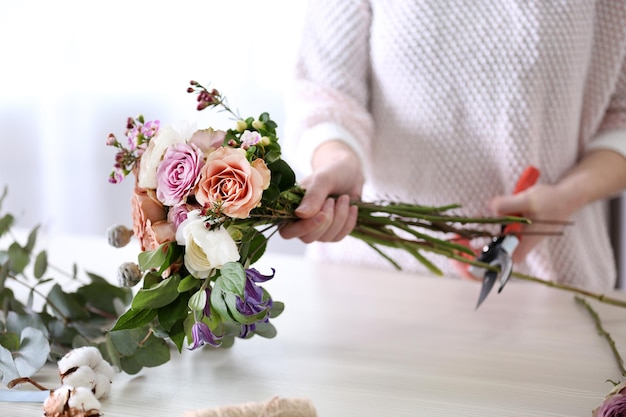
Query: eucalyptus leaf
x=68, y=306
x=41, y=264
x=16, y=322
x=32, y=240
x=10, y=340
x=18, y=258
x=8, y=371
x=33, y=352
x=6, y=222
x=126, y=342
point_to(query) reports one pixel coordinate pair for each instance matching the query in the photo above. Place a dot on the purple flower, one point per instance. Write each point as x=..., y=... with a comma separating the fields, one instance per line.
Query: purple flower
x=253, y=302
x=201, y=335
x=614, y=405
x=178, y=172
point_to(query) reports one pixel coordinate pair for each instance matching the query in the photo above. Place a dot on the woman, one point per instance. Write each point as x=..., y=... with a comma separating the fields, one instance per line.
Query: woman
x=447, y=102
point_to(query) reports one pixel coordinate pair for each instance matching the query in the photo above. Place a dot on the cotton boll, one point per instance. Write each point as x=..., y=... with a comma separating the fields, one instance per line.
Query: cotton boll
x=68, y=401
x=83, y=376
x=105, y=369
x=86, y=355
x=83, y=399
x=102, y=387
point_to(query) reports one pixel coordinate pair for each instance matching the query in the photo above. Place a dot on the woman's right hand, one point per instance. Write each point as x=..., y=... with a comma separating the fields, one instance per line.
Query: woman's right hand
x=325, y=211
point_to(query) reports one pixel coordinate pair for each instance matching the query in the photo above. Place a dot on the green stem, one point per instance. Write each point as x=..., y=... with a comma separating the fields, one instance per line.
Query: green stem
x=603, y=333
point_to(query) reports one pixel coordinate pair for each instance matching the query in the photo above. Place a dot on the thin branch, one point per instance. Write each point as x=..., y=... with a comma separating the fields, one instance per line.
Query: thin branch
x=603, y=333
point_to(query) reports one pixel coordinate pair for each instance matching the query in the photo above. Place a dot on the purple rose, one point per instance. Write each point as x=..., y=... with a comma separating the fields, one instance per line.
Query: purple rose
x=178, y=172
x=614, y=405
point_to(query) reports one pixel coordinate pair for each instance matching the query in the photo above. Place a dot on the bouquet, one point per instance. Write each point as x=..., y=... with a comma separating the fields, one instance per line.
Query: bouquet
x=204, y=205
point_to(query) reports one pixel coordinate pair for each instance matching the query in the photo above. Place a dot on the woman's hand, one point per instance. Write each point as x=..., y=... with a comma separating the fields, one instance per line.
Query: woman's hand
x=325, y=210
x=599, y=175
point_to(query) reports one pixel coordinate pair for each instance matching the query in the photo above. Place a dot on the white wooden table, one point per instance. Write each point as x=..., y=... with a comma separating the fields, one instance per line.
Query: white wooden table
x=362, y=342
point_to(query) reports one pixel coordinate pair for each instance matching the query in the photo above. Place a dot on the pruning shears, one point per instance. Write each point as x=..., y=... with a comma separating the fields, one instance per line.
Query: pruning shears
x=498, y=253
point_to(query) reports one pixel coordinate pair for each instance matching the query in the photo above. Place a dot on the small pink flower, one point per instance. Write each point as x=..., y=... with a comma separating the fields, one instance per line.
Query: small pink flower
x=614, y=405
x=249, y=138
x=178, y=173
x=178, y=214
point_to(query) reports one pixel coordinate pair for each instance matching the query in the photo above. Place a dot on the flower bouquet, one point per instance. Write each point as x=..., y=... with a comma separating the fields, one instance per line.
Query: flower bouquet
x=204, y=205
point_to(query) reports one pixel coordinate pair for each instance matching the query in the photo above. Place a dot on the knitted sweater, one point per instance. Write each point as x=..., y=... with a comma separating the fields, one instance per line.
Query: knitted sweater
x=448, y=102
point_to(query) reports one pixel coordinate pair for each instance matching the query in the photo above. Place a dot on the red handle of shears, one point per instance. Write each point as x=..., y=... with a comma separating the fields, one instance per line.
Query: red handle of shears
x=528, y=178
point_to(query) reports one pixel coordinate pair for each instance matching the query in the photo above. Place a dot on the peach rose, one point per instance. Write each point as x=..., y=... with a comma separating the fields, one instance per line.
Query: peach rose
x=229, y=181
x=150, y=225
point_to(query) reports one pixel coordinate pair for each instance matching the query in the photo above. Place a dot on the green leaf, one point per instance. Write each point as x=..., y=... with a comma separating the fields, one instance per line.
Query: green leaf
x=161, y=258
x=10, y=340
x=17, y=322
x=101, y=295
x=134, y=319
x=173, y=312
x=233, y=278
x=33, y=352
x=4, y=273
x=277, y=309
x=188, y=283
x=67, y=305
x=153, y=352
x=126, y=342
x=41, y=264
x=158, y=295
x=32, y=240
x=6, y=222
x=218, y=305
x=265, y=329
x=282, y=174
x=18, y=258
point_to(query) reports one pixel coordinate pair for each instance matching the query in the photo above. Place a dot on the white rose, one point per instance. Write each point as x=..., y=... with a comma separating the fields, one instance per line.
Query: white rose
x=205, y=249
x=151, y=158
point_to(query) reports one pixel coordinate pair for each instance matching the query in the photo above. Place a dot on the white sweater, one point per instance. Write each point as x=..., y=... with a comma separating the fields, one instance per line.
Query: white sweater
x=448, y=102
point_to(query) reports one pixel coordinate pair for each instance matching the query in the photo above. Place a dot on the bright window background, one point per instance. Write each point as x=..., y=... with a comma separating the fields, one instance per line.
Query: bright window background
x=73, y=71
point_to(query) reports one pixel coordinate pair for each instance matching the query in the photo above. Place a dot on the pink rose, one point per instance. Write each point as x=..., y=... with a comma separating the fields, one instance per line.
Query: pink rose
x=150, y=226
x=229, y=181
x=208, y=139
x=178, y=214
x=614, y=405
x=178, y=173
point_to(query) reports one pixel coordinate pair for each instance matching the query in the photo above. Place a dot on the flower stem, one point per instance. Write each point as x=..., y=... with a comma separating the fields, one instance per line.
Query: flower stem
x=602, y=332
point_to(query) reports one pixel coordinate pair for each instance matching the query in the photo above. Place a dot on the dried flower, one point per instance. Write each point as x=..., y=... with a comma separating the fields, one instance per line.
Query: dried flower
x=128, y=274
x=119, y=236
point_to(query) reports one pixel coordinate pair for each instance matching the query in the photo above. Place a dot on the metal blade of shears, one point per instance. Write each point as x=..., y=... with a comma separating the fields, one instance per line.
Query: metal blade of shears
x=489, y=280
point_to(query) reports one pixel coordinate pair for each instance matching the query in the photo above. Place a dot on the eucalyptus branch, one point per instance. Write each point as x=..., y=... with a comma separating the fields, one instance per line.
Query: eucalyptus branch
x=603, y=333
x=45, y=297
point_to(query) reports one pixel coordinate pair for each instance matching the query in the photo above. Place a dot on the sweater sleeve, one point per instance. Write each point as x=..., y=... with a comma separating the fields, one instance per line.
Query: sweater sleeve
x=612, y=132
x=329, y=94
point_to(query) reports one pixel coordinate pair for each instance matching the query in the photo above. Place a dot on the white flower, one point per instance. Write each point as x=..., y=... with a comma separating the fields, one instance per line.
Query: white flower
x=205, y=249
x=167, y=136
